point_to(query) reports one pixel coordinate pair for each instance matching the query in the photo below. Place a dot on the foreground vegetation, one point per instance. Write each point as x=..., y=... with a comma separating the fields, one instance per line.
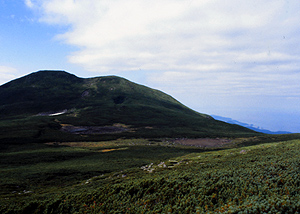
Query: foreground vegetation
x=140, y=176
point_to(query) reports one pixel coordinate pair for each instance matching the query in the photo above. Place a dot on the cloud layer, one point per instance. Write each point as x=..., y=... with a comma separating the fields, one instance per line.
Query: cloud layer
x=233, y=40
x=210, y=46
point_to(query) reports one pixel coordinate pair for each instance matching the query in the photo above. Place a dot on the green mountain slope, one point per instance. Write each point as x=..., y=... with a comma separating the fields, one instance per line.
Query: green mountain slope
x=37, y=105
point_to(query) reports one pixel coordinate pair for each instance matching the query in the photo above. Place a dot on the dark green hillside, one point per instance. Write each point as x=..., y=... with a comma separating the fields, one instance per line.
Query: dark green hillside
x=26, y=105
x=38, y=92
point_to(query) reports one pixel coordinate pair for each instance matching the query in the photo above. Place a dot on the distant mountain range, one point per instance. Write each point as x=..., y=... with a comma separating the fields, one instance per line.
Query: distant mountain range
x=249, y=126
x=57, y=105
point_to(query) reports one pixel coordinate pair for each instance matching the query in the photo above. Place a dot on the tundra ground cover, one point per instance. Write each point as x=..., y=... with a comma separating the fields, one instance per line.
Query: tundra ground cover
x=38, y=166
x=254, y=179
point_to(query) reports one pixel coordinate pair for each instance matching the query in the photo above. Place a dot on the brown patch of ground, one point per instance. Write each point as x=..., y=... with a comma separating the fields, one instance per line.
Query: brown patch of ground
x=203, y=142
x=80, y=144
x=93, y=129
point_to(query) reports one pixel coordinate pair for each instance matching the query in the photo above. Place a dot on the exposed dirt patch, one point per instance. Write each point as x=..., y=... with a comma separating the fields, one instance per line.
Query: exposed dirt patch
x=93, y=129
x=81, y=144
x=203, y=142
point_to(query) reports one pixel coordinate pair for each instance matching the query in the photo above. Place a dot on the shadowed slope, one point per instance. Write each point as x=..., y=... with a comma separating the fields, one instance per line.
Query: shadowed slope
x=45, y=100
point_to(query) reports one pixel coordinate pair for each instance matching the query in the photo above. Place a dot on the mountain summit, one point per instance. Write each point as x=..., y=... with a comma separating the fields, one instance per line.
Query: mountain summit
x=52, y=104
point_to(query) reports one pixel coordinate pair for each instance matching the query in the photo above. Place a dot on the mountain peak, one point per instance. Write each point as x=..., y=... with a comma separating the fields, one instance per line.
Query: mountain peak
x=43, y=75
x=46, y=77
x=104, y=101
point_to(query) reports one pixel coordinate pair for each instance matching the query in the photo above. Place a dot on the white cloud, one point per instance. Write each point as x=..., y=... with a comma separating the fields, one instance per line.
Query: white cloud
x=210, y=45
x=7, y=73
x=29, y=3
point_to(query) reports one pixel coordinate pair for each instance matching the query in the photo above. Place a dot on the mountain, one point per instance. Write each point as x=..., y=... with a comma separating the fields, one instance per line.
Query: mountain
x=249, y=126
x=56, y=105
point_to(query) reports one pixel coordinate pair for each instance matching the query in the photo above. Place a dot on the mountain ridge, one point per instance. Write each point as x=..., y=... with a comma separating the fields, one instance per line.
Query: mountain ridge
x=101, y=101
x=249, y=126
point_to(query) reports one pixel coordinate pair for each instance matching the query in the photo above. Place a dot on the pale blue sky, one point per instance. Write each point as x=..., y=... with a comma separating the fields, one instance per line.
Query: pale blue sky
x=234, y=58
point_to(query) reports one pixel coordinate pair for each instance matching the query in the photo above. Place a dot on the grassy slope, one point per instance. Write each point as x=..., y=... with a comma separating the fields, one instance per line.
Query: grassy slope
x=96, y=102
x=57, y=90
x=255, y=179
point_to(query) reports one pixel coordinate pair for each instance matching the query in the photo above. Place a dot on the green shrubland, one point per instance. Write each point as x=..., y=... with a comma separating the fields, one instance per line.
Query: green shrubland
x=263, y=178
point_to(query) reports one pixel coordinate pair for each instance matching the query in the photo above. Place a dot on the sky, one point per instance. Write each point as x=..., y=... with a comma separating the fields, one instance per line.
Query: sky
x=233, y=58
